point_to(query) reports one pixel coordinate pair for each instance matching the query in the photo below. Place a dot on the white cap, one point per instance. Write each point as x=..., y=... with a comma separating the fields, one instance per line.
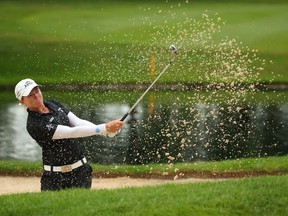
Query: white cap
x=24, y=87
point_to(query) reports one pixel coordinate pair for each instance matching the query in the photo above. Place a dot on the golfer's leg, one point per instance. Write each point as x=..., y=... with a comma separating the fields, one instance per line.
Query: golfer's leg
x=82, y=177
x=51, y=181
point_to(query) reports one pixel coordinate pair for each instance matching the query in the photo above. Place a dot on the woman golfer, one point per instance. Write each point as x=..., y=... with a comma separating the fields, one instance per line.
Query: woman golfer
x=55, y=128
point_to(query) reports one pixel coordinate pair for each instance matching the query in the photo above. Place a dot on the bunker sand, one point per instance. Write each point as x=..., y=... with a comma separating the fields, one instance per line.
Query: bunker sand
x=14, y=185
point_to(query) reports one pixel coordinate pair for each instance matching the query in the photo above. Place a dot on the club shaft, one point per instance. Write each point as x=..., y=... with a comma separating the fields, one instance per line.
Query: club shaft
x=142, y=96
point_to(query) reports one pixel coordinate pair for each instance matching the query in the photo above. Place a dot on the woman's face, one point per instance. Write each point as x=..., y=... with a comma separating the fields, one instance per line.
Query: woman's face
x=34, y=100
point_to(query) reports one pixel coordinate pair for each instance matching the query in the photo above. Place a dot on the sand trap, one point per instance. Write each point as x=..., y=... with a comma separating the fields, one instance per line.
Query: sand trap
x=12, y=185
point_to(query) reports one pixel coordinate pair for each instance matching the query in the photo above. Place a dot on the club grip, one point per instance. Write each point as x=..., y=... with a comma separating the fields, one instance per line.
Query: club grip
x=124, y=117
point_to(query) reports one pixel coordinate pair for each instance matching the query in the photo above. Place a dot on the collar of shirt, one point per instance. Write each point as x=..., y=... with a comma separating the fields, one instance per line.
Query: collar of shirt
x=48, y=104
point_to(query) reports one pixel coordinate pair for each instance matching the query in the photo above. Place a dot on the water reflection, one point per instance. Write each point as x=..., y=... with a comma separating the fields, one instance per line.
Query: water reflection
x=15, y=142
x=171, y=133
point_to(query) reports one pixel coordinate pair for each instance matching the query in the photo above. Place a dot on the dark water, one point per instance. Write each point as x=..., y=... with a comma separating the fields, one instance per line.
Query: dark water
x=162, y=130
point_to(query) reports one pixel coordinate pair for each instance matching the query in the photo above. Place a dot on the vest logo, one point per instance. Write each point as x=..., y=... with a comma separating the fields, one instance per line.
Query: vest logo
x=60, y=110
x=49, y=126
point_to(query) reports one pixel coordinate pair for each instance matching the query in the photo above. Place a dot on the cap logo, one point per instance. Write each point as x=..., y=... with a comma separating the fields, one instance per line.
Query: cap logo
x=27, y=83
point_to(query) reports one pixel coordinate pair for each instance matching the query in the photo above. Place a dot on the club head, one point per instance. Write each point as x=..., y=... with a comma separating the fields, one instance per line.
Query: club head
x=173, y=49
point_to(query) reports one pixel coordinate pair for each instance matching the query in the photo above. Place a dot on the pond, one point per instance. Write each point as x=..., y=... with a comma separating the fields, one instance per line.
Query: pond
x=166, y=127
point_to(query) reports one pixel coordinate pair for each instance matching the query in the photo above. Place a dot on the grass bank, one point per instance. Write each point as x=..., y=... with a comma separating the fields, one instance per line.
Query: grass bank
x=69, y=42
x=251, y=196
x=267, y=165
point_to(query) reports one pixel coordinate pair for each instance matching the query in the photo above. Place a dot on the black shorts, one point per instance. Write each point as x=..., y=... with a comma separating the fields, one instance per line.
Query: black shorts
x=80, y=177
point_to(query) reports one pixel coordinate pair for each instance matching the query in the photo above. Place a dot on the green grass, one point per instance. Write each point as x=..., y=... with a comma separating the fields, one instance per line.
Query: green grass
x=266, y=195
x=251, y=196
x=247, y=164
x=71, y=42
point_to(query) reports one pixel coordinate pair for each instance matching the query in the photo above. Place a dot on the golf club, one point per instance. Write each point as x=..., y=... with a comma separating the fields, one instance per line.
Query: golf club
x=173, y=50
